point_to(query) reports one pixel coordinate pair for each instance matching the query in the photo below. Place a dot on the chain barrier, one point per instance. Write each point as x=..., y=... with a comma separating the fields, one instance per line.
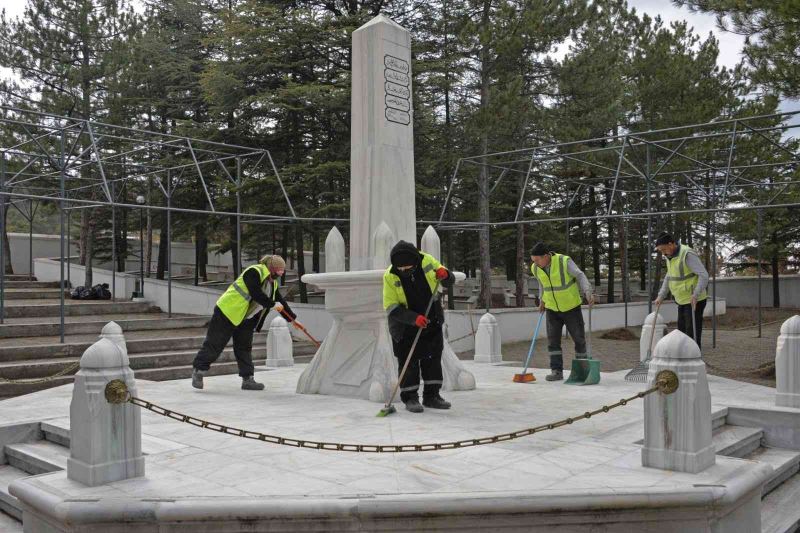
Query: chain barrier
x=116, y=392
x=33, y=381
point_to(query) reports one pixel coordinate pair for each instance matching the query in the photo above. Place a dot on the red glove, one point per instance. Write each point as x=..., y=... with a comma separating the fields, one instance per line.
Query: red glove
x=421, y=321
x=442, y=273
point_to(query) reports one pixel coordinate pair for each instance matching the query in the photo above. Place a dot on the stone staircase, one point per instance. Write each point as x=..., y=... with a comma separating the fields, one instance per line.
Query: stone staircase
x=160, y=347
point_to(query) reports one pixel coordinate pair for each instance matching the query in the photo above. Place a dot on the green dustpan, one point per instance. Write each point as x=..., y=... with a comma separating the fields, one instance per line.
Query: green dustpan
x=585, y=371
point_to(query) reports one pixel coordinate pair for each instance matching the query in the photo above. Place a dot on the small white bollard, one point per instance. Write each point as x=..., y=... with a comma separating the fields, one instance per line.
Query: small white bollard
x=677, y=427
x=279, y=344
x=787, y=364
x=431, y=244
x=105, y=438
x=487, y=341
x=647, y=333
x=334, y=251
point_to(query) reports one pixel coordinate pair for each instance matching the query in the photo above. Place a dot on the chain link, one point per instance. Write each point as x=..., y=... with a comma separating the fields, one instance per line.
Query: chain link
x=116, y=392
x=32, y=381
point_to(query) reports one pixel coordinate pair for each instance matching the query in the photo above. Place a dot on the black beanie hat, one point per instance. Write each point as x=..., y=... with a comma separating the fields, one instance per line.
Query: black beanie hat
x=403, y=254
x=664, y=238
x=539, y=249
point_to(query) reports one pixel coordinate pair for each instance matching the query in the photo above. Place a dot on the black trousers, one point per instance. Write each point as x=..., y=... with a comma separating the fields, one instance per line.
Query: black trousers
x=426, y=360
x=220, y=331
x=685, y=320
x=573, y=319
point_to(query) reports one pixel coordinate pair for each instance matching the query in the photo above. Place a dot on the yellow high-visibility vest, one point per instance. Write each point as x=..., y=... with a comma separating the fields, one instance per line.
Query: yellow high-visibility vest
x=236, y=302
x=560, y=287
x=682, y=280
x=393, y=293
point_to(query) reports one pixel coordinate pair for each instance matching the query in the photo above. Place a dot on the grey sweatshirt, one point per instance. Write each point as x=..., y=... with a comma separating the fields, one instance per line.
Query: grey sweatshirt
x=572, y=268
x=696, y=266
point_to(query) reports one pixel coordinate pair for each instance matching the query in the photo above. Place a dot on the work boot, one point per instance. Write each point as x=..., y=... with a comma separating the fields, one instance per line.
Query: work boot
x=197, y=378
x=436, y=402
x=249, y=383
x=414, y=406
x=555, y=375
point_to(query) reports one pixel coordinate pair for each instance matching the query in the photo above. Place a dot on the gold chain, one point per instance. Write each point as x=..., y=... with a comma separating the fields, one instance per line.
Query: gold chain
x=117, y=392
x=31, y=381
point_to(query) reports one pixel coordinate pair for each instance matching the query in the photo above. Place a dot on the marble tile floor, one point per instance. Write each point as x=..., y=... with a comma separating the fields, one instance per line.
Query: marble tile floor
x=596, y=454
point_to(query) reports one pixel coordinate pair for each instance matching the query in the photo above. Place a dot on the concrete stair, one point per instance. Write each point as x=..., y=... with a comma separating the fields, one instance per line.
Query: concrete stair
x=159, y=347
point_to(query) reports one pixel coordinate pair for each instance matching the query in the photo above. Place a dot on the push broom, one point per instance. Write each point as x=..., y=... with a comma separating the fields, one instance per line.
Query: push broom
x=527, y=377
x=389, y=408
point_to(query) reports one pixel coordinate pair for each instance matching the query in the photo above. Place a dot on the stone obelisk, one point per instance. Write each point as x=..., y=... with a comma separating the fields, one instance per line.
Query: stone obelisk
x=356, y=358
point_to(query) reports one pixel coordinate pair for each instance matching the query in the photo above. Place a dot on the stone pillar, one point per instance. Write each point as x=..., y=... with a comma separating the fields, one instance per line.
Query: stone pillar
x=334, y=251
x=677, y=427
x=487, y=341
x=647, y=332
x=106, y=439
x=787, y=364
x=279, y=344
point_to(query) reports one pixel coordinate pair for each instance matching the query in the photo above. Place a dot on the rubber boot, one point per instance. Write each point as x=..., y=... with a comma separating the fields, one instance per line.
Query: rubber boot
x=249, y=383
x=436, y=402
x=555, y=375
x=413, y=406
x=197, y=378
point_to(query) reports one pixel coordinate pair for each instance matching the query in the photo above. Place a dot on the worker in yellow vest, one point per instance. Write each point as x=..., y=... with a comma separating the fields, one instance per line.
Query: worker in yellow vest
x=559, y=280
x=408, y=286
x=687, y=280
x=239, y=312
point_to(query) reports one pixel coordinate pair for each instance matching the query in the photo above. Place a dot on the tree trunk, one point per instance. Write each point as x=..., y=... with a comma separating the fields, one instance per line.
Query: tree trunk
x=301, y=261
x=162, y=266
x=88, y=280
x=234, y=247
x=595, y=237
x=776, y=293
x=148, y=245
x=519, y=282
x=286, y=256
x=8, y=267
x=315, y=260
x=484, y=248
x=611, y=258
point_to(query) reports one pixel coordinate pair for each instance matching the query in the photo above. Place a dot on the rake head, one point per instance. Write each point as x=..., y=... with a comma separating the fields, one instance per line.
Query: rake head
x=638, y=373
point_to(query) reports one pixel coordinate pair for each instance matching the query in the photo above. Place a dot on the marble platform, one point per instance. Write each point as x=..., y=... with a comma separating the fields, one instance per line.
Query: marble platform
x=569, y=479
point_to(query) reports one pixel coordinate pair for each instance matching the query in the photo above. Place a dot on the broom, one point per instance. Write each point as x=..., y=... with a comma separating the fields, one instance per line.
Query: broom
x=527, y=377
x=389, y=408
x=279, y=308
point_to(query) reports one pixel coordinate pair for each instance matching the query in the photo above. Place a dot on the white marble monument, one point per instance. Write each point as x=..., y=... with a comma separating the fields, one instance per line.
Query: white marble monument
x=106, y=439
x=279, y=344
x=787, y=364
x=652, y=320
x=487, y=341
x=677, y=427
x=356, y=358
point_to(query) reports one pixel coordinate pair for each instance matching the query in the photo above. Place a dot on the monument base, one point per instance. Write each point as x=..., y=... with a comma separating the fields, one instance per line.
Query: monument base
x=356, y=358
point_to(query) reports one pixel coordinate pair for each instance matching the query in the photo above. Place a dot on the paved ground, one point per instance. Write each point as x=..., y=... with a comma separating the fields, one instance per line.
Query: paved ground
x=739, y=353
x=591, y=455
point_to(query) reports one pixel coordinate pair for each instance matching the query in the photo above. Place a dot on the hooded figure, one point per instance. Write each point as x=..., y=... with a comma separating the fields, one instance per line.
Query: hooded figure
x=408, y=285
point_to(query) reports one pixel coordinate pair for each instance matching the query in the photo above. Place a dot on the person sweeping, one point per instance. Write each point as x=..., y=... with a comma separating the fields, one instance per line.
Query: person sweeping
x=687, y=280
x=559, y=295
x=408, y=285
x=239, y=312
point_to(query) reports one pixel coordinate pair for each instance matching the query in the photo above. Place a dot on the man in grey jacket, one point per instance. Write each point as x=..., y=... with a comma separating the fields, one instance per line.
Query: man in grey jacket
x=687, y=280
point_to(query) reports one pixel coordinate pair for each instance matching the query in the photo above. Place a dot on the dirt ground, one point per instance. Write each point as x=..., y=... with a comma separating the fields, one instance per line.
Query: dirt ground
x=739, y=353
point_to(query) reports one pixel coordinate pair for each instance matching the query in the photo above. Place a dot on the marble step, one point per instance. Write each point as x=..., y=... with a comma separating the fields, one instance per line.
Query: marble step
x=38, y=457
x=27, y=284
x=40, y=308
x=785, y=464
x=33, y=293
x=736, y=441
x=8, y=503
x=780, y=512
x=83, y=325
x=9, y=524
x=58, y=432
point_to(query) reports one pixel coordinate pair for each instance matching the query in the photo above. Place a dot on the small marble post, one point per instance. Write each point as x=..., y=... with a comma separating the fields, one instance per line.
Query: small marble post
x=334, y=251
x=279, y=344
x=431, y=244
x=677, y=427
x=382, y=242
x=647, y=332
x=106, y=439
x=787, y=364
x=487, y=341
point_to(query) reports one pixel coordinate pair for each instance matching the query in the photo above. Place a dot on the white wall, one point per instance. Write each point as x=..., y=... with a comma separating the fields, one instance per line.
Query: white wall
x=743, y=291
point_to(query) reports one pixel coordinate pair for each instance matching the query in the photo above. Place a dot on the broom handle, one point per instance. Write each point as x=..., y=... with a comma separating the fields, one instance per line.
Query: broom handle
x=413, y=347
x=533, y=342
x=653, y=331
x=297, y=325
